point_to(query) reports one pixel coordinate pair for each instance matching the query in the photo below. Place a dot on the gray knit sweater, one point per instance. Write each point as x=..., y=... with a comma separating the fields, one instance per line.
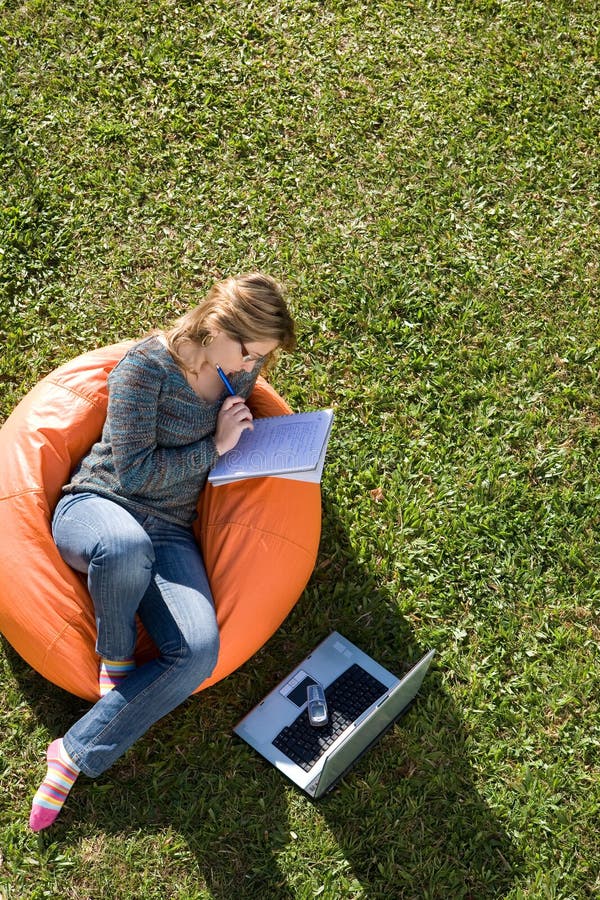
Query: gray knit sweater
x=157, y=444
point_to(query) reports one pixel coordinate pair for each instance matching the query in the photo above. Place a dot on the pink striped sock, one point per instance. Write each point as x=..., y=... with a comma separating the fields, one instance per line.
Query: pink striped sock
x=112, y=672
x=54, y=789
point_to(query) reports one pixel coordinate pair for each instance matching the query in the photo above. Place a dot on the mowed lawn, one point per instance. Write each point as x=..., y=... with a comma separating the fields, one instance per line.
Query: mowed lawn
x=423, y=176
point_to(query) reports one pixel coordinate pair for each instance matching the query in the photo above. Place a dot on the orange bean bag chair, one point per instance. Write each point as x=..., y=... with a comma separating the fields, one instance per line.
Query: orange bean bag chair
x=259, y=537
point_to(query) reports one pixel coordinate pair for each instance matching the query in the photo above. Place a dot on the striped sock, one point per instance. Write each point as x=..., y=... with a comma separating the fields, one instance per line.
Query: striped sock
x=113, y=671
x=54, y=789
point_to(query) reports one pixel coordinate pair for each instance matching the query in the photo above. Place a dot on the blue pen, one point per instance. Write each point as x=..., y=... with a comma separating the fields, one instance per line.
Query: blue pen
x=225, y=381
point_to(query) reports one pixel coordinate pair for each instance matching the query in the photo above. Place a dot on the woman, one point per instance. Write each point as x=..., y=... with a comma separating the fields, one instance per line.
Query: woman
x=125, y=517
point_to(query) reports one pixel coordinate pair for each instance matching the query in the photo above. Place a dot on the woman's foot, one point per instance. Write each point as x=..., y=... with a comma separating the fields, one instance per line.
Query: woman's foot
x=112, y=672
x=55, y=787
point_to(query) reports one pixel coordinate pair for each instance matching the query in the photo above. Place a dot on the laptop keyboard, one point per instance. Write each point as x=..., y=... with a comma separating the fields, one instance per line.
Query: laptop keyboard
x=347, y=697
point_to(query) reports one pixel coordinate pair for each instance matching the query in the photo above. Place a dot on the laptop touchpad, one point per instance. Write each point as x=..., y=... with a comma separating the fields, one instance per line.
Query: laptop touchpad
x=295, y=689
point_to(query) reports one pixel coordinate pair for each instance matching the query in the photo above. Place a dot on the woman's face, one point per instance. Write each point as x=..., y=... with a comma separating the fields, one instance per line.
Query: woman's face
x=234, y=355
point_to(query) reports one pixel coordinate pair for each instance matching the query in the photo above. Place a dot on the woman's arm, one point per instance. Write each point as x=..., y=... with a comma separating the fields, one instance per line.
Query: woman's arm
x=143, y=467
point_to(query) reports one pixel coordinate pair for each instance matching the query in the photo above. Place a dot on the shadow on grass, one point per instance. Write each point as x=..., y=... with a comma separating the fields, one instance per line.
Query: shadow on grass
x=407, y=822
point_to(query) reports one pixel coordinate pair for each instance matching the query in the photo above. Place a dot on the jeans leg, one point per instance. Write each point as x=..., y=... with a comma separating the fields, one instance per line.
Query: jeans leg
x=103, y=540
x=178, y=612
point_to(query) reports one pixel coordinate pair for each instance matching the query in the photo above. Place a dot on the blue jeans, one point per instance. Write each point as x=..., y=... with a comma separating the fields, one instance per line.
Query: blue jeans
x=144, y=565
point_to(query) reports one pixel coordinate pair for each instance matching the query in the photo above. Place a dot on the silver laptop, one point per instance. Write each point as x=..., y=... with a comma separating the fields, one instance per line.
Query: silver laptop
x=363, y=700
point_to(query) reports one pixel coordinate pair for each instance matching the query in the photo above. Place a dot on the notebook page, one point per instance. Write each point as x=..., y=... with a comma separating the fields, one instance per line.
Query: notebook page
x=277, y=445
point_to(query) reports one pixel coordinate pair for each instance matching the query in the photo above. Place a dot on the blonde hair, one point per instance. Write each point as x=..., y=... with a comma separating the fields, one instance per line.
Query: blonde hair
x=247, y=308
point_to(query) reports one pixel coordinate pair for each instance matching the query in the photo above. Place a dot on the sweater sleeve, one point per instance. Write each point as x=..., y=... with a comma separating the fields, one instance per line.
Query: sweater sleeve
x=142, y=466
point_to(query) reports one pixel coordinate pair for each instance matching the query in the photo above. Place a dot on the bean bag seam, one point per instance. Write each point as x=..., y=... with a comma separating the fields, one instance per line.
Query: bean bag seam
x=256, y=530
x=21, y=493
x=58, y=636
x=82, y=396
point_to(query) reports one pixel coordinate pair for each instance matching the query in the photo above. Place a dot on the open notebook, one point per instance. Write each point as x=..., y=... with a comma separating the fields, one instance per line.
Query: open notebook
x=291, y=446
x=363, y=698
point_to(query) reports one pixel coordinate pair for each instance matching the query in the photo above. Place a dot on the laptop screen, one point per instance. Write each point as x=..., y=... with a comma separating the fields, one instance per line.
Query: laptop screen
x=369, y=730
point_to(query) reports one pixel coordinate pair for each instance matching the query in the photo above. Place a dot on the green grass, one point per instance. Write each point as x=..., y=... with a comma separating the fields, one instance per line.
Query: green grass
x=424, y=178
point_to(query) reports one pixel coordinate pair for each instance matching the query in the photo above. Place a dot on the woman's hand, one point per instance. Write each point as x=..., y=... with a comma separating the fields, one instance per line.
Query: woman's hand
x=234, y=417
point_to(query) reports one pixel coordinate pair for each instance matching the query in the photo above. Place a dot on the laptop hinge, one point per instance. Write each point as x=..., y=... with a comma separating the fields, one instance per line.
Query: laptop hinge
x=311, y=787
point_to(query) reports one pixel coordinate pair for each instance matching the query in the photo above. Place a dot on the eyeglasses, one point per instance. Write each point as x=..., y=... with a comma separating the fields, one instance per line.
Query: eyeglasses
x=247, y=356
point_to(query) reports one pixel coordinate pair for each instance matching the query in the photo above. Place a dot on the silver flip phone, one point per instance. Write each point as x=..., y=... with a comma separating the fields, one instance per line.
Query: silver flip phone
x=317, y=705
